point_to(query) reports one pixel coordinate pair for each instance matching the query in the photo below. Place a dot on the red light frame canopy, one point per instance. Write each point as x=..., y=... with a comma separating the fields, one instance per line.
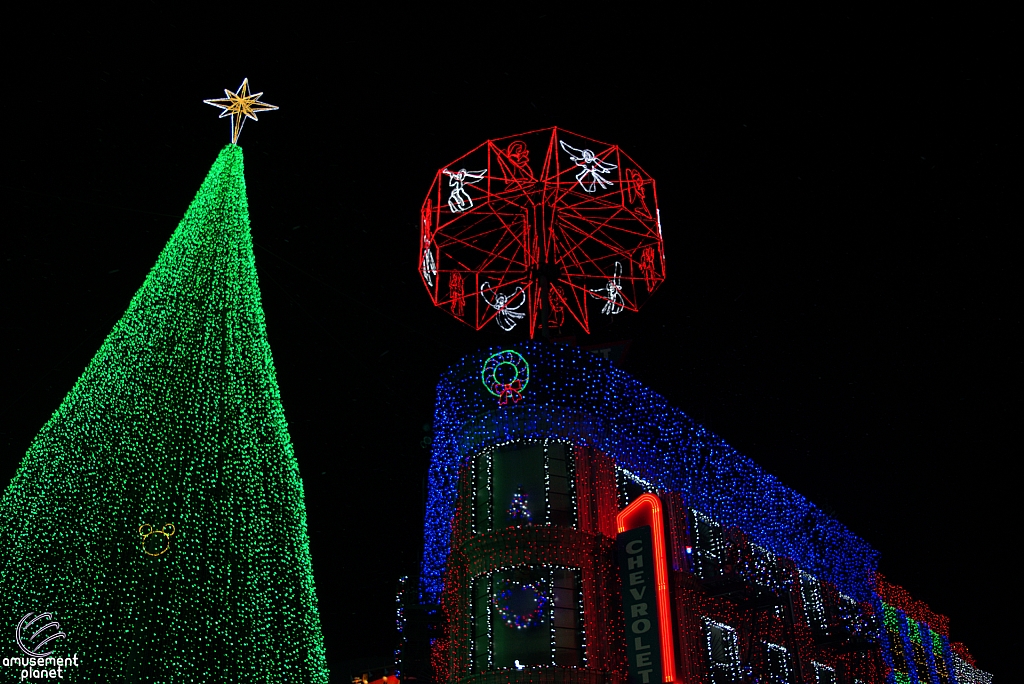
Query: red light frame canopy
x=509, y=239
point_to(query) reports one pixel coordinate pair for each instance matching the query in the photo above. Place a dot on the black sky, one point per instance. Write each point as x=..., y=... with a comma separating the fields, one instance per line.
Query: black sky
x=835, y=194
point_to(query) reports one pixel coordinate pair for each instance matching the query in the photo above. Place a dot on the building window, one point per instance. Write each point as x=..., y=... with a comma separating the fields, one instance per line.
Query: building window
x=524, y=483
x=560, y=486
x=709, y=548
x=629, y=486
x=765, y=571
x=481, y=611
x=723, y=652
x=566, y=612
x=778, y=664
x=823, y=674
x=849, y=615
x=814, y=604
x=527, y=616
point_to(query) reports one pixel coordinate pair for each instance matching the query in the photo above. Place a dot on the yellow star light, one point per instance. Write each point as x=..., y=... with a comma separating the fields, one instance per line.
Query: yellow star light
x=240, y=105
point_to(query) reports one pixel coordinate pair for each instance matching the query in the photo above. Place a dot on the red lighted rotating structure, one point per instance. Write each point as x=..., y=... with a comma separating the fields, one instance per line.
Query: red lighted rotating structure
x=538, y=228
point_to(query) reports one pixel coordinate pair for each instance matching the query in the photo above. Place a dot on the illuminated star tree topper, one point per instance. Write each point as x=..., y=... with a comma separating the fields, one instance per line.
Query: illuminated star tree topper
x=240, y=105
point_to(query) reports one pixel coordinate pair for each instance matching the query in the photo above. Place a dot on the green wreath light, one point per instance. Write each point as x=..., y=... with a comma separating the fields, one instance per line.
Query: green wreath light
x=505, y=375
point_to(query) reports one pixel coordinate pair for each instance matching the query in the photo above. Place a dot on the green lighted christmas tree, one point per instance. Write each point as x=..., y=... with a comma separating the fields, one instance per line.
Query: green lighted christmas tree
x=159, y=514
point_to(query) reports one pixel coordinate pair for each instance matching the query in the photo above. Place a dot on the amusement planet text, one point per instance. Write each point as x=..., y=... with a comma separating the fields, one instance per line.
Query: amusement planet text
x=41, y=668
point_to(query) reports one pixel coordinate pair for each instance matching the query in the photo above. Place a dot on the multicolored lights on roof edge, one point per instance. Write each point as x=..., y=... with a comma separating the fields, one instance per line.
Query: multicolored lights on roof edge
x=915, y=641
x=577, y=396
x=537, y=229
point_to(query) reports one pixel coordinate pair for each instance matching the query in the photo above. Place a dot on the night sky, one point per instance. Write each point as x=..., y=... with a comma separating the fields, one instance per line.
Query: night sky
x=835, y=200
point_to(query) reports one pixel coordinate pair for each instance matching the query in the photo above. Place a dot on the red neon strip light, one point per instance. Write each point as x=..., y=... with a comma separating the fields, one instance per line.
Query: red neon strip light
x=646, y=510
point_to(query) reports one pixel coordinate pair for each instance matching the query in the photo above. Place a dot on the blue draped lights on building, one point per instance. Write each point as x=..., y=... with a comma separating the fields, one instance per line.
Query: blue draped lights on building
x=539, y=447
x=580, y=397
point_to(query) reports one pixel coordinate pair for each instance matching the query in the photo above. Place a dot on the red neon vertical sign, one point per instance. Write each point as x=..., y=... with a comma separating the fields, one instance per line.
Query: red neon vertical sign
x=646, y=510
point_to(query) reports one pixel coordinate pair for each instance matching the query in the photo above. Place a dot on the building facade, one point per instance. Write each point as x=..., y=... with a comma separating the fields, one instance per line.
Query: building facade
x=580, y=529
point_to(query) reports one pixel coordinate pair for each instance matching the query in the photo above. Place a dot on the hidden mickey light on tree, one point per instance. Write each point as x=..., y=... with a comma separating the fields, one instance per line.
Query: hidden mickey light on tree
x=156, y=542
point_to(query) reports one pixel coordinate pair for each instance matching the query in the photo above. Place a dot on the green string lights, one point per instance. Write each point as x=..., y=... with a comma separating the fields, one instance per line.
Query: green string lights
x=177, y=418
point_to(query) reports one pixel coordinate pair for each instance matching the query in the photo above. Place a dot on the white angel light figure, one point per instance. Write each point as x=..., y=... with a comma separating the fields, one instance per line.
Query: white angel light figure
x=611, y=293
x=429, y=266
x=460, y=200
x=507, y=315
x=591, y=165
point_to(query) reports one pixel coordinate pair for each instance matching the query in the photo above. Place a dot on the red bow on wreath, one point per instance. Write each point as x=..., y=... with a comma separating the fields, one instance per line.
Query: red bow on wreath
x=506, y=391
